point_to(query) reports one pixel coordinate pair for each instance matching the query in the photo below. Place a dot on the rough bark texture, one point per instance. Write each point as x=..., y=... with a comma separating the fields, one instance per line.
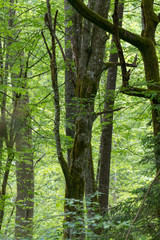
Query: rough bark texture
x=21, y=133
x=71, y=53
x=87, y=51
x=146, y=45
x=6, y=139
x=24, y=171
x=106, y=137
x=151, y=67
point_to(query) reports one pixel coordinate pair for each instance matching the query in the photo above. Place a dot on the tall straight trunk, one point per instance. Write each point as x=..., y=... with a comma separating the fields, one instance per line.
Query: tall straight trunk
x=21, y=132
x=71, y=39
x=24, y=171
x=106, y=136
x=72, y=52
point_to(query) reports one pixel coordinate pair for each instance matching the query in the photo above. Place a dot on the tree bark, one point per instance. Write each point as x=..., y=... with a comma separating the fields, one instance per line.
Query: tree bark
x=71, y=53
x=106, y=137
x=88, y=54
x=146, y=45
x=20, y=133
x=24, y=171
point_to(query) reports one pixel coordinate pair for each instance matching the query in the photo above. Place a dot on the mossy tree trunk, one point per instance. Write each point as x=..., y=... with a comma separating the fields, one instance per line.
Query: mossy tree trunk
x=146, y=44
x=87, y=51
x=88, y=46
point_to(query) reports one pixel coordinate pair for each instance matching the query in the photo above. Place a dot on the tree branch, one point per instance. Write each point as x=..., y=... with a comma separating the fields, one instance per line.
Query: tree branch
x=45, y=42
x=52, y=32
x=54, y=79
x=139, y=92
x=115, y=64
x=125, y=73
x=107, y=111
x=130, y=37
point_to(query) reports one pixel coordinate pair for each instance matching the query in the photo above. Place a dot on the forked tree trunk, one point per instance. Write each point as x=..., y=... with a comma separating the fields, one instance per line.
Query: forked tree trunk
x=87, y=46
x=146, y=45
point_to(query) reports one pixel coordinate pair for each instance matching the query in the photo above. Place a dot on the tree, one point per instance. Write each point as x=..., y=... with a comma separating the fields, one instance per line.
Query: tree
x=24, y=163
x=147, y=47
x=88, y=53
x=76, y=86
x=18, y=130
x=107, y=126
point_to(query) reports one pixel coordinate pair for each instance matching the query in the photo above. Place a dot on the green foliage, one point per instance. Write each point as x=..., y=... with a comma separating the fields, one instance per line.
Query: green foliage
x=133, y=161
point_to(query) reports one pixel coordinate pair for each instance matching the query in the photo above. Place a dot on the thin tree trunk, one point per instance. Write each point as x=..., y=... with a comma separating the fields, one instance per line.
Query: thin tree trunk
x=106, y=137
x=71, y=40
x=4, y=184
x=5, y=136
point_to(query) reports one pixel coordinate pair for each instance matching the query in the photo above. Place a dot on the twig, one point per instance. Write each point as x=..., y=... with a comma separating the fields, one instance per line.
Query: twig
x=108, y=111
x=45, y=42
x=8, y=235
x=39, y=160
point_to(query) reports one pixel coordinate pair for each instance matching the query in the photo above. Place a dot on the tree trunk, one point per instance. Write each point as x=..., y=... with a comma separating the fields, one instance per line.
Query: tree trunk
x=6, y=136
x=106, y=137
x=24, y=171
x=88, y=45
x=71, y=51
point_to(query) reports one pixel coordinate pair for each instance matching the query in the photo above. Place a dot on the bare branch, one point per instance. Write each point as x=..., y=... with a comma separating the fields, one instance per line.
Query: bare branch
x=54, y=79
x=38, y=75
x=45, y=42
x=39, y=160
x=54, y=37
x=115, y=64
x=107, y=111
